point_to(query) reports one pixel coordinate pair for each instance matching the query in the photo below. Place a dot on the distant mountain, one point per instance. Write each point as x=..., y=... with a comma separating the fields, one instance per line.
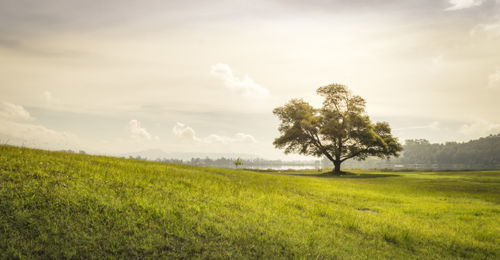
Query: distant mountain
x=153, y=154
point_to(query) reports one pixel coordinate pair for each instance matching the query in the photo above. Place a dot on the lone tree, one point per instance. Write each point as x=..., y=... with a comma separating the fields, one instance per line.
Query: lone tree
x=340, y=130
x=238, y=162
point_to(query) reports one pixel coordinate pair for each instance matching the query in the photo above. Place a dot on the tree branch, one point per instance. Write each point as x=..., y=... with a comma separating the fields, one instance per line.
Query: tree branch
x=354, y=155
x=317, y=143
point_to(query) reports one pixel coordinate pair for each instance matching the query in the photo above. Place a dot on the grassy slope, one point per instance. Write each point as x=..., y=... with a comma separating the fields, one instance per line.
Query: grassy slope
x=67, y=205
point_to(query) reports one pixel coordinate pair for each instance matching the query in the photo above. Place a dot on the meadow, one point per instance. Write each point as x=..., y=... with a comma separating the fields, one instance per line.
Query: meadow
x=64, y=205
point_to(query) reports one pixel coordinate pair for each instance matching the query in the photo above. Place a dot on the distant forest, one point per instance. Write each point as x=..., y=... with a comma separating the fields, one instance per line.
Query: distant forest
x=483, y=153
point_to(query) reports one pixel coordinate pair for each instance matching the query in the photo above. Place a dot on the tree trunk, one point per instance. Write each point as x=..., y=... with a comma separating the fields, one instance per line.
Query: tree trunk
x=336, y=170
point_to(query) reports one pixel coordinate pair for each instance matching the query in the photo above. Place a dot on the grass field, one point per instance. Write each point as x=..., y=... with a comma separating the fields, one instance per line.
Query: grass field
x=62, y=205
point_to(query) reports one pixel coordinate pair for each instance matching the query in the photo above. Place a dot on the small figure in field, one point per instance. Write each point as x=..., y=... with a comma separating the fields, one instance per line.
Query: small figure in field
x=238, y=162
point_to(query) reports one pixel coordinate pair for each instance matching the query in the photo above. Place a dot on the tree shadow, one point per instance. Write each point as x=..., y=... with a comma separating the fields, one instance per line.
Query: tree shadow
x=343, y=175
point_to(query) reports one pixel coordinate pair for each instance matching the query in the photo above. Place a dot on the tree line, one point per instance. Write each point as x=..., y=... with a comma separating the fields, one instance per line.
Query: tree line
x=482, y=153
x=243, y=163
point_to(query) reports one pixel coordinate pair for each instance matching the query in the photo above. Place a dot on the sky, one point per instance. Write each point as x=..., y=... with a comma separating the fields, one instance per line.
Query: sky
x=121, y=76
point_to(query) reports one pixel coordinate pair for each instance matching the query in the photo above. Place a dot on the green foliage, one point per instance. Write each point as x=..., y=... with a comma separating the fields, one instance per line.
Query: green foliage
x=57, y=205
x=478, y=154
x=340, y=130
x=483, y=152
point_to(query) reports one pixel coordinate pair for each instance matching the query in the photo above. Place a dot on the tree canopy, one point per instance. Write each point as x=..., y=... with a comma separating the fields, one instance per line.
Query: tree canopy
x=238, y=162
x=339, y=130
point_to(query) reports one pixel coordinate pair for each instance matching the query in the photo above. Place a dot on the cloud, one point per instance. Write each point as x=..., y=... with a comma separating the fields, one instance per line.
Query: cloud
x=494, y=79
x=51, y=100
x=480, y=128
x=14, y=112
x=238, y=138
x=184, y=132
x=36, y=136
x=187, y=133
x=438, y=60
x=433, y=126
x=463, y=4
x=245, y=138
x=48, y=96
x=27, y=134
x=245, y=85
x=489, y=29
x=139, y=133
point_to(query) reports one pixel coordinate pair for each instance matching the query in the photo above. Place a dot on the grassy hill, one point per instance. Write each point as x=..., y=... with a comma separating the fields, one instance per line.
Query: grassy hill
x=62, y=205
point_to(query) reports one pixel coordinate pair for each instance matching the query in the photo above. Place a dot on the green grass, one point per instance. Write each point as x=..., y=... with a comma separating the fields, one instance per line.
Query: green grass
x=61, y=205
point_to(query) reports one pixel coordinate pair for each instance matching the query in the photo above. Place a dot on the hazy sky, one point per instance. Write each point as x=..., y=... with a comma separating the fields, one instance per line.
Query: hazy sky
x=121, y=76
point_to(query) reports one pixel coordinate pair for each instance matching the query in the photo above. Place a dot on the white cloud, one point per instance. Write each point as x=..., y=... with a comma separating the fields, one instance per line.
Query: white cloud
x=213, y=138
x=438, y=60
x=245, y=85
x=433, y=126
x=32, y=135
x=13, y=112
x=187, y=133
x=48, y=96
x=184, y=132
x=39, y=136
x=463, y=4
x=479, y=129
x=139, y=133
x=244, y=138
x=238, y=138
x=51, y=100
x=494, y=79
x=437, y=64
x=489, y=29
